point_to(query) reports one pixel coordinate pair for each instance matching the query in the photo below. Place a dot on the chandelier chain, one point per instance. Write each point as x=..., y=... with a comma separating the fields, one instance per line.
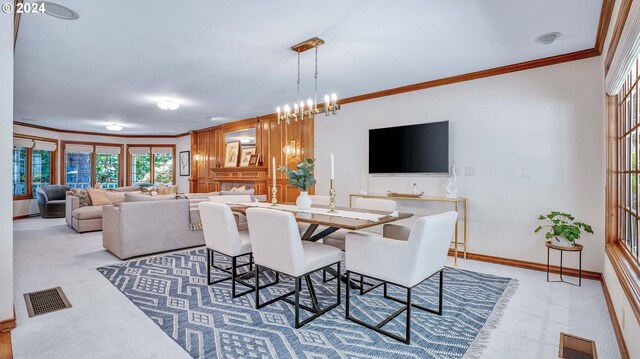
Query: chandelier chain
x=315, y=86
x=298, y=93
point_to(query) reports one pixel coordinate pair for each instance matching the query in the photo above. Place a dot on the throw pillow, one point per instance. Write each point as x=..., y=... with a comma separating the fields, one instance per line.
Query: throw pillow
x=82, y=195
x=238, y=189
x=164, y=189
x=149, y=189
x=98, y=197
x=127, y=189
x=115, y=197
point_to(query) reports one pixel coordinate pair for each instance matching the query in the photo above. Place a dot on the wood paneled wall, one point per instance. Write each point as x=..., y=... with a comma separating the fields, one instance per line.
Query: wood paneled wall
x=271, y=138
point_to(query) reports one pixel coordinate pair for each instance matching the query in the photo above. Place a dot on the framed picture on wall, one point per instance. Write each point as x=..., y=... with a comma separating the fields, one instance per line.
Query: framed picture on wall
x=185, y=163
x=253, y=160
x=232, y=154
x=245, y=155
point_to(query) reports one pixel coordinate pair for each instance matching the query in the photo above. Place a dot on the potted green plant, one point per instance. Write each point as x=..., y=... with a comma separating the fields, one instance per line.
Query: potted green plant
x=301, y=178
x=563, y=228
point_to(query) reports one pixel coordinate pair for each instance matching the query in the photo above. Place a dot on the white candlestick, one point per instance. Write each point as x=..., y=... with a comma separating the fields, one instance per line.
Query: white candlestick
x=333, y=173
x=274, y=171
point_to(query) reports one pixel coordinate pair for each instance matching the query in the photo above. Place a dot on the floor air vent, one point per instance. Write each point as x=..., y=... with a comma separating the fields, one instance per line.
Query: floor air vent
x=46, y=301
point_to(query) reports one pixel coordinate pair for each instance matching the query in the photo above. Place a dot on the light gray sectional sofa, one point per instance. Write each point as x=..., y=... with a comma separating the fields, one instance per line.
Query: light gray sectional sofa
x=146, y=227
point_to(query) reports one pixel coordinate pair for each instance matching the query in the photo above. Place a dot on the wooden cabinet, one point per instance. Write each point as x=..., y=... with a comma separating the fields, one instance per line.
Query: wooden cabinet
x=209, y=145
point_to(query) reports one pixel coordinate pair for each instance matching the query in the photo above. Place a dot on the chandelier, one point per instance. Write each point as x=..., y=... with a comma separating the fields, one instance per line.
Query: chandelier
x=302, y=110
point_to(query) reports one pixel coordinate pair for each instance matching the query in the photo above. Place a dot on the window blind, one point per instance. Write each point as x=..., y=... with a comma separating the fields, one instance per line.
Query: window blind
x=162, y=150
x=45, y=145
x=626, y=53
x=75, y=148
x=22, y=142
x=108, y=149
x=139, y=150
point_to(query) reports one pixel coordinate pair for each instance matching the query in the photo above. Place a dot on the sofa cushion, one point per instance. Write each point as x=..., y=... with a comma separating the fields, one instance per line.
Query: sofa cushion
x=116, y=197
x=133, y=197
x=82, y=195
x=87, y=212
x=98, y=197
x=126, y=189
x=57, y=202
x=164, y=189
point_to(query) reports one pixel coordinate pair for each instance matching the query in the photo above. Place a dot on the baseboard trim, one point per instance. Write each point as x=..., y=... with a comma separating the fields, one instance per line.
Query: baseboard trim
x=9, y=324
x=572, y=272
x=15, y=218
x=6, y=350
x=624, y=353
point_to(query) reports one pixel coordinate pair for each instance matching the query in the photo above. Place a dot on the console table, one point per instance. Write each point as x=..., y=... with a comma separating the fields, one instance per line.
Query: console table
x=456, y=202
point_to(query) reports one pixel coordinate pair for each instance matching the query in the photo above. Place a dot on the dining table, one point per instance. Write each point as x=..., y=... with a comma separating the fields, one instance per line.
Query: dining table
x=323, y=223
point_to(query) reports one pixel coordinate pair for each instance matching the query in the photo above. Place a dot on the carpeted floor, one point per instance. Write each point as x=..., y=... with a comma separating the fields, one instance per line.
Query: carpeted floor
x=208, y=323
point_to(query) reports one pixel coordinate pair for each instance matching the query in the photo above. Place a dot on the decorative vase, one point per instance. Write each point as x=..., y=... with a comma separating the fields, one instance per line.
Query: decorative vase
x=303, y=201
x=562, y=242
x=452, y=189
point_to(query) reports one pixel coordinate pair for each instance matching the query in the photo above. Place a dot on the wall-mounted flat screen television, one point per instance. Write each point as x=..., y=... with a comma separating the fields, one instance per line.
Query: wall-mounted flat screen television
x=422, y=148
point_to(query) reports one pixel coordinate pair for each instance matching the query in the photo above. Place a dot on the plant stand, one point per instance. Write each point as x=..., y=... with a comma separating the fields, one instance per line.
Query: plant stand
x=577, y=248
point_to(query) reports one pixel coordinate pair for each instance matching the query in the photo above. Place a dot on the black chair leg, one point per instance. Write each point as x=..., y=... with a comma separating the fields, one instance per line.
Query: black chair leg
x=440, y=294
x=408, y=330
x=346, y=311
x=208, y=266
x=407, y=305
x=339, y=297
x=297, y=299
x=257, y=286
x=233, y=277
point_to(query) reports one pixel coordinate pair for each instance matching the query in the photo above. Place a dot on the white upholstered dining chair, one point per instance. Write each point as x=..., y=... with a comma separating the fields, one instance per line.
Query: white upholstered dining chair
x=277, y=246
x=221, y=236
x=402, y=263
x=241, y=219
x=337, y=239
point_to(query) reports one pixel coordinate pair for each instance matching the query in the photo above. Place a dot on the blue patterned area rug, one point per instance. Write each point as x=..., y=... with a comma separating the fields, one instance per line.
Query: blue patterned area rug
x=208, y=323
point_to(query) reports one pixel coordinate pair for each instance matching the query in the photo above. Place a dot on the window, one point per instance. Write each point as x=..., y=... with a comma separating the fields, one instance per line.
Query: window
x=33, y=165
x=107, y=166
x=19, y=171
x=628, y=165
x=78, y=169
x=140, y=168
x=40, y=169
x=163, y=167
x=87, y=165
x=151, y=165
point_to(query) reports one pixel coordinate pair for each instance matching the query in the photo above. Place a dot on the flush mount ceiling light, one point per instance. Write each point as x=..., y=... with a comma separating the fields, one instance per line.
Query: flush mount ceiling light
x=169, y=104
x=213, y=118
x=58, y=11
x=547, y=38
x=309, y=109
x=114, y=127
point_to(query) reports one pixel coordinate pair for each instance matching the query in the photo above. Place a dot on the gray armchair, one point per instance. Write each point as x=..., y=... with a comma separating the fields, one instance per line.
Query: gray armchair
x=51, y=200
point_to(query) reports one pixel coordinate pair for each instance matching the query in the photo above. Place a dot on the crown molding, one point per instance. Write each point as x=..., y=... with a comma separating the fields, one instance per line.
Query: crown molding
x=23, y=124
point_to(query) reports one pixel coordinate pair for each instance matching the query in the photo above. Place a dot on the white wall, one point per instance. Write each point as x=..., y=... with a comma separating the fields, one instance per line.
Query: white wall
x=627, y=320
x=6, y=118
x=30, y=206
x=182, y=144
x=548, y=120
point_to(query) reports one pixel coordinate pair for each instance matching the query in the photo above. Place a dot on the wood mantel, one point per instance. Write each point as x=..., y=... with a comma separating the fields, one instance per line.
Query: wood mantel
x=256, y=175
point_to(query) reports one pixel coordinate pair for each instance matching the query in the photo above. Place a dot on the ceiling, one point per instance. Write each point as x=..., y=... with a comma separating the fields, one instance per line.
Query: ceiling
x=231, y=59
